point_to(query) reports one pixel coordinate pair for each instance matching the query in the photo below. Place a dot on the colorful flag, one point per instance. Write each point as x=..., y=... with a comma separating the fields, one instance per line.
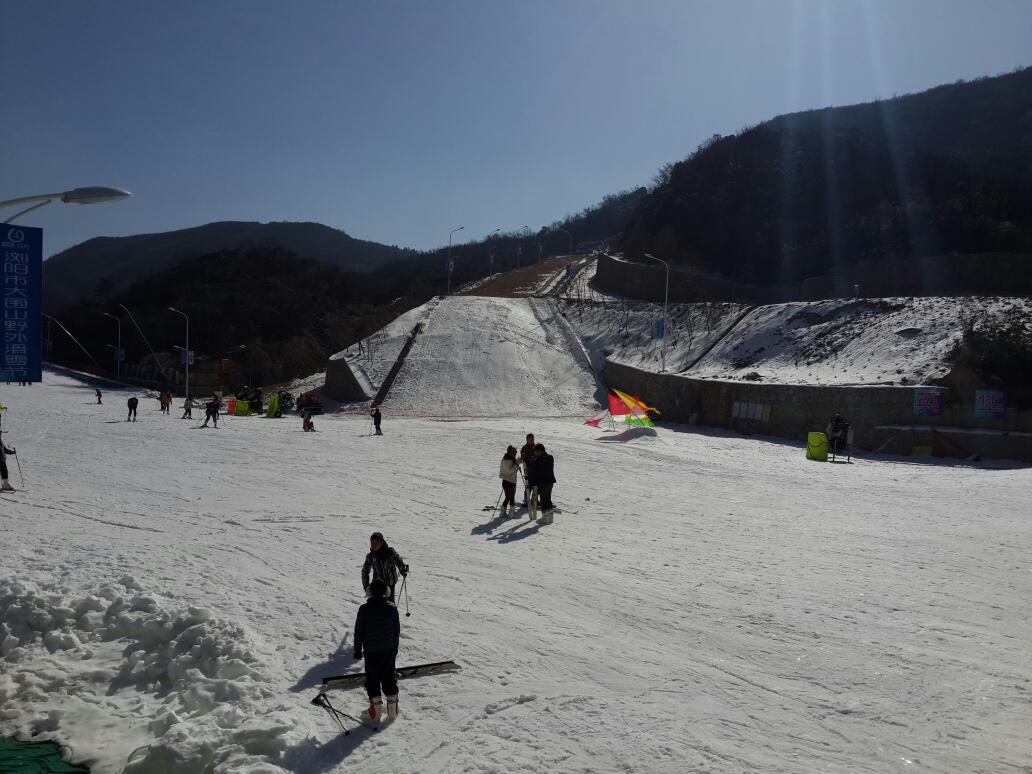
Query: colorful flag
x=594, y=422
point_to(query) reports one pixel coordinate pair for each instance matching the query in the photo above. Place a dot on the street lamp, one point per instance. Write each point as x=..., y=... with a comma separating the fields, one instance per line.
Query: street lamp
x=490, y=251
x=568, y=234
x=449, y=255
x=187, y=357
x=118, y=352
x=90, y=195
x=666, y=295
x=519, y=244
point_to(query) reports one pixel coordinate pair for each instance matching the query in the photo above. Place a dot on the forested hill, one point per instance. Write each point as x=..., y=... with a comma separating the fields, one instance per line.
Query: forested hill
x=948, y=170
x=106, y=265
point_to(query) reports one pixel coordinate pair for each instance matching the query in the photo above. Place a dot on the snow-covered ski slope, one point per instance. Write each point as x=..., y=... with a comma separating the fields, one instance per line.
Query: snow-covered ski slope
x=482, y=356
x=174, y=596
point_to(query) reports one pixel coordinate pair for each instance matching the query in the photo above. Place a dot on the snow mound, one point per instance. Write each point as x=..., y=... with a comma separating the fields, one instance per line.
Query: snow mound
x=173, y=691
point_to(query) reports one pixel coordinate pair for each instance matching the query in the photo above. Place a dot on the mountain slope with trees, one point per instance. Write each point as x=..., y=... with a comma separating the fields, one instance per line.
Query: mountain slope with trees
x=948, y=170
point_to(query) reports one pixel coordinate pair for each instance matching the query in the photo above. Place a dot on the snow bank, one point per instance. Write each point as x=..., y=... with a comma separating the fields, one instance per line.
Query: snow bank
x=168, y=691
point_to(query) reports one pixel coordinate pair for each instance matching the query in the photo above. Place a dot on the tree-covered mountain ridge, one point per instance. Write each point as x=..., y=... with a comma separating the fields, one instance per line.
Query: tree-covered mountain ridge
x=945, y=171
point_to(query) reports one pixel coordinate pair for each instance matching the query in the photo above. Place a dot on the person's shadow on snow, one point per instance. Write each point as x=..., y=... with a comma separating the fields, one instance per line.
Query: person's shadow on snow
x=490, y=526
x=311, y=757
x=339, y=662
x=515, y=533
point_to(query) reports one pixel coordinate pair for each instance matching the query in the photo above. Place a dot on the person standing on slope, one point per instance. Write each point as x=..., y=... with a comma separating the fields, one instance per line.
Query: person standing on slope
x=211, y=411
x=383, y=563
x=526, y=458
x=507, y=471
x=377, y=637
x=5, y=485
x=99, y=401
x=132, y=403
x=375, y=414
x=187, y=408
x=542, y=475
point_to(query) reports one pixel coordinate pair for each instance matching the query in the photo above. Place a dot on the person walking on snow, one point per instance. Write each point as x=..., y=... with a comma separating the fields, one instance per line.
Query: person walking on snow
x=526, y=458
x=375, y=414
x=542, y=475
x=508, y=471
x=211, y=411
x=132, y=403
x=5, y=485
x=99, y=401
x=377, y=636
x=187, y=409
x=383, y=563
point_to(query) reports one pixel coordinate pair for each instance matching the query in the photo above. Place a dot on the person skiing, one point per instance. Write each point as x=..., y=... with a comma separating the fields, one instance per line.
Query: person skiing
x=377, y=636
x=132, y=403
x=5, y=485
x=526, y=458
x=211, y=411
x=187, y=408
x=508, y=471
x=542, y=475
x=382, y=562
x=99, y=401
x=307, y=424
x=375, y=414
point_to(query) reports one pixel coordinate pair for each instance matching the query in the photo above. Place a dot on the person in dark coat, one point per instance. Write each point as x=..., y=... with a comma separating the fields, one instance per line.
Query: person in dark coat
x=99, y=401
x=5, y=485
x=377, y=636
x=382, y=562
x=132, y=403
x=375, y=414
x=211, y=411
x=526, y=458
x=542, y=475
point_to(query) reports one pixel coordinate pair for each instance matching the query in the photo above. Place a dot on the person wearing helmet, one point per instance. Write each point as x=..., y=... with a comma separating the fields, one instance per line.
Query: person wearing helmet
x=377, y=636
x=382, y=562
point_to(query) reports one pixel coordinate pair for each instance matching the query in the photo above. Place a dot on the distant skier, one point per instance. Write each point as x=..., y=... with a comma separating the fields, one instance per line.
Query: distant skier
x=384, y=563
x=307, y=424
x=377, y=636
x=526, y=458
x=132, y=403
x=507, y=471
x=188, y=405
x=375, y=414
x=99, y=401
x=5, y=485
x=211, y=411
x=542, y=475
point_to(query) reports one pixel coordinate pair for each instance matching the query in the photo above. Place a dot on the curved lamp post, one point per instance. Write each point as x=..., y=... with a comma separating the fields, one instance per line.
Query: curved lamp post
x=89, y=195
x=490, y=251
x=187, y=356
x=666, y=295
x=519, y=244
x=568, y=234
x=449, y=256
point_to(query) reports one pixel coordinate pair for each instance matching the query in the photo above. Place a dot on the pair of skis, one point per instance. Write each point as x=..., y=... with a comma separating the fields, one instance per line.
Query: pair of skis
x=343, y=682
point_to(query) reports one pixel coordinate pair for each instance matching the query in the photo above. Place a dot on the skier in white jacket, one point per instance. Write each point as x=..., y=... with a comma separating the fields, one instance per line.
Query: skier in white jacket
x=507, y=471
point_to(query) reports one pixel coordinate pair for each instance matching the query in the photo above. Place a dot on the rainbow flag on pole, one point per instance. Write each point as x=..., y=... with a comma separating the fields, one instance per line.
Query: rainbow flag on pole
x=627, y=409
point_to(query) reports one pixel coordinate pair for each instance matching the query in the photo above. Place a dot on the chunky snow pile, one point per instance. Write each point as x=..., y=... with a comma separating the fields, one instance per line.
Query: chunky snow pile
x=482, y=356
x=869, y=341
x=115, y=664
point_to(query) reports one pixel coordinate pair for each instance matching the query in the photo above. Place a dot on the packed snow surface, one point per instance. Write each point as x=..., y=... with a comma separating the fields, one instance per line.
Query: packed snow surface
x=704, y=602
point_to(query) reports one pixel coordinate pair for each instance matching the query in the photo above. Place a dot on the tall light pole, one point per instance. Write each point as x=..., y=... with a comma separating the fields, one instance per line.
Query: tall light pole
x=519, y=244
x=90, y=195
x=118, y=352
x=490, y=251
x=570, y=236
x=187, y=354
x=666, y=295
x=449, y=255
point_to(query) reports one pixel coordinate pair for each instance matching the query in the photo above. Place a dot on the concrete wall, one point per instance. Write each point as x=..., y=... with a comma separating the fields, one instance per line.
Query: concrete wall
x=341, y=384
x=981, y=274
x=876, y=413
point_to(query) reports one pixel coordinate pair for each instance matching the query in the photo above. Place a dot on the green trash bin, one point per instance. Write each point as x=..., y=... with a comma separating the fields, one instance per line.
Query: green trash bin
x=817, y=447
x=18, y=757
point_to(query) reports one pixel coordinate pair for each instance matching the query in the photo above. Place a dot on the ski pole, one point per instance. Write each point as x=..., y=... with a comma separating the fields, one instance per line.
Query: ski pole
x=18, y=461
x=404, y=590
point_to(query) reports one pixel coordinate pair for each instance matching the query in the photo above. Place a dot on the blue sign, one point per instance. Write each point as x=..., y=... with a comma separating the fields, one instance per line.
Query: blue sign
x=660, y=328
x=21, y=303
x=990, y=403
x=928, y=401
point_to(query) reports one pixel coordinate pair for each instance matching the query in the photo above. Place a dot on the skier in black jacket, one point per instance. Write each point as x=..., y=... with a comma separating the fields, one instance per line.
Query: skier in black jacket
x=132, y=403
x=377, y=635
x=384, y=563
x=542, y=475
x=375, y=414
x=5, y=485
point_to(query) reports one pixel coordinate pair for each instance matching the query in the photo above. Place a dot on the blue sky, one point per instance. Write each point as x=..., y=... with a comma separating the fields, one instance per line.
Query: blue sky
x=397, y=121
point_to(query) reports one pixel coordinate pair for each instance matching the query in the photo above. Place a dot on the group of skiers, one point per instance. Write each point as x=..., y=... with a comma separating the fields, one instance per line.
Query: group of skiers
x=211, y=407
x=378, y=626
x=537, y=467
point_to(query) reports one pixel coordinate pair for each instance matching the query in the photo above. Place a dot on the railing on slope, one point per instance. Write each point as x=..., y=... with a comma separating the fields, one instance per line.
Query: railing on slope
x=734, y=324
x=388, y=381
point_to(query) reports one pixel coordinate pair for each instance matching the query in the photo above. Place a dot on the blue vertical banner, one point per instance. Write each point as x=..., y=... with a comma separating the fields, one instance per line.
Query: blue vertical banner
x=21, y=303
x=660, y=328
